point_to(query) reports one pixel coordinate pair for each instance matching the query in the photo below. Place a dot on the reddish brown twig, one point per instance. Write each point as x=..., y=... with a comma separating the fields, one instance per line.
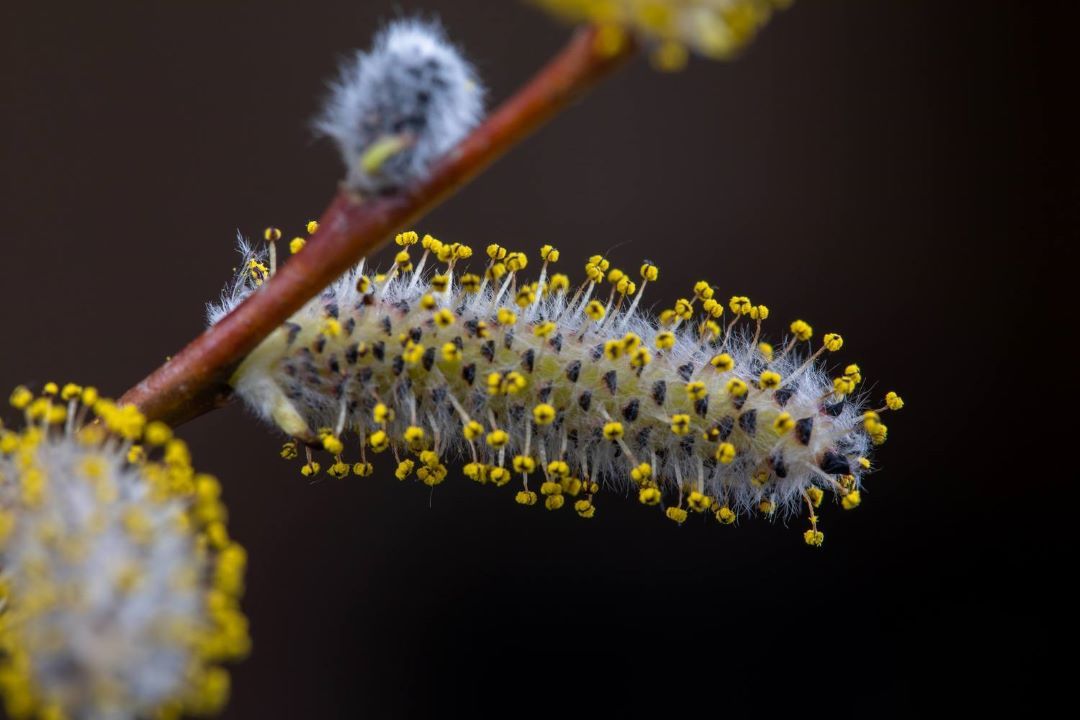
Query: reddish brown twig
x=195, y=380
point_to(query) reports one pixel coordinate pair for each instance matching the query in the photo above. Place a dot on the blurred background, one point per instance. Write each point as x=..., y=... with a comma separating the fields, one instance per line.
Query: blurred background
x=902, y=172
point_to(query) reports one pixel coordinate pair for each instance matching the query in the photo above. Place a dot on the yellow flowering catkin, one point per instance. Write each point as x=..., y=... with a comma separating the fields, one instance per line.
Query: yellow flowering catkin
x=562, y=389
x=716, y=29
x=120, y=583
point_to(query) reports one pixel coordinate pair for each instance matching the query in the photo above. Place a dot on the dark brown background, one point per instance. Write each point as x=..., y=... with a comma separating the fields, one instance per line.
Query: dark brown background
x=901, y=172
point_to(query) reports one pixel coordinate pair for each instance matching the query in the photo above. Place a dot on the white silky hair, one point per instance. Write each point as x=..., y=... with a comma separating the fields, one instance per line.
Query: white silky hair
x=412, y=84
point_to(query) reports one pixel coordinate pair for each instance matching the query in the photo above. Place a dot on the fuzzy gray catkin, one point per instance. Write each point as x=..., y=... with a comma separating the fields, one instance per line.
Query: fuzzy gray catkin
x=564, y=390
x=400, y=106
x=120, y=584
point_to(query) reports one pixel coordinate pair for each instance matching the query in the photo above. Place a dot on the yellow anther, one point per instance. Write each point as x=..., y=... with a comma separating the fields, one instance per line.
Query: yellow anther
x=430, y=243
x=402, y=258
x=613, y=430
x=571, y=486
x=558, y=283
x=814, y=538
x=407, y=238
x=770, y=379
x=413, y=435
x=649, y=496
x=550, y=487
x=735, y=387
x=584, y=508
x=476, y=471
x=641, y=473
x=683, y=309
x=767, y=507
x=864, y=463
x=543, y=414
x=498, y=476
x=554, y=502
x=497, y=438
x=451, y=353
x=851, y=500
x=310, y=469
x=696, y=390
x=363, y=285
x=893, y=401
x=725, y=515
x=649, y=272
x=516, y=261
x=525, y=497
x=843, y=385
x=21, y=397
x=494, y=383
x=725, y=453
x=833, y=342
x=740, y=304
x=289, y=450
x=332, y=445
x=665, y=340
x=698, y=502
x=801, y=330
x=439, y=283
x=470, y=282
x=783, y=423
x=640, y=358
x=157, y=433
x=595, y=310
x=472, y=430
x=680, y=424
x=713, y=308
x=523, y=464
x=722, y=362
x=482, y=331
x=625, y=286
x=759, y=312
x=413, y=353
x=70, y=391
x=382, y=414
x=766, y=351
x=363, y=469
x=854, y=373
x=444, y=318
x=544, y=329
x=816, y=495
x=702, y=290
x=330, y=327
x=613, y=349
x=312, y=227
x=379, y=440
x=506, y=316
x=615, y=275
x=667, y=317
x=496, y=252
x=524, y=297
x=404, y=469
x=558, y=469
x=271, y=234
x=549, y=254
x=89, y=396
x=676, y=513
x=513, y=383
x=296, y=245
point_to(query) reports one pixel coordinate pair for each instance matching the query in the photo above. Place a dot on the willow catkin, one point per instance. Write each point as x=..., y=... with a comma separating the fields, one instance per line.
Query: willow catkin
x=563, y=391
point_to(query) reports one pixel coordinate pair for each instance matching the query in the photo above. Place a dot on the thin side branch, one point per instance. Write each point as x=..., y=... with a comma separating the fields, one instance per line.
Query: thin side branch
x=195, y=380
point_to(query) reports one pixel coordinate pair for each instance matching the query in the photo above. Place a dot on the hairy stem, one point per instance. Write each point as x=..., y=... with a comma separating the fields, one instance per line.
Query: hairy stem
x=195, y=380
